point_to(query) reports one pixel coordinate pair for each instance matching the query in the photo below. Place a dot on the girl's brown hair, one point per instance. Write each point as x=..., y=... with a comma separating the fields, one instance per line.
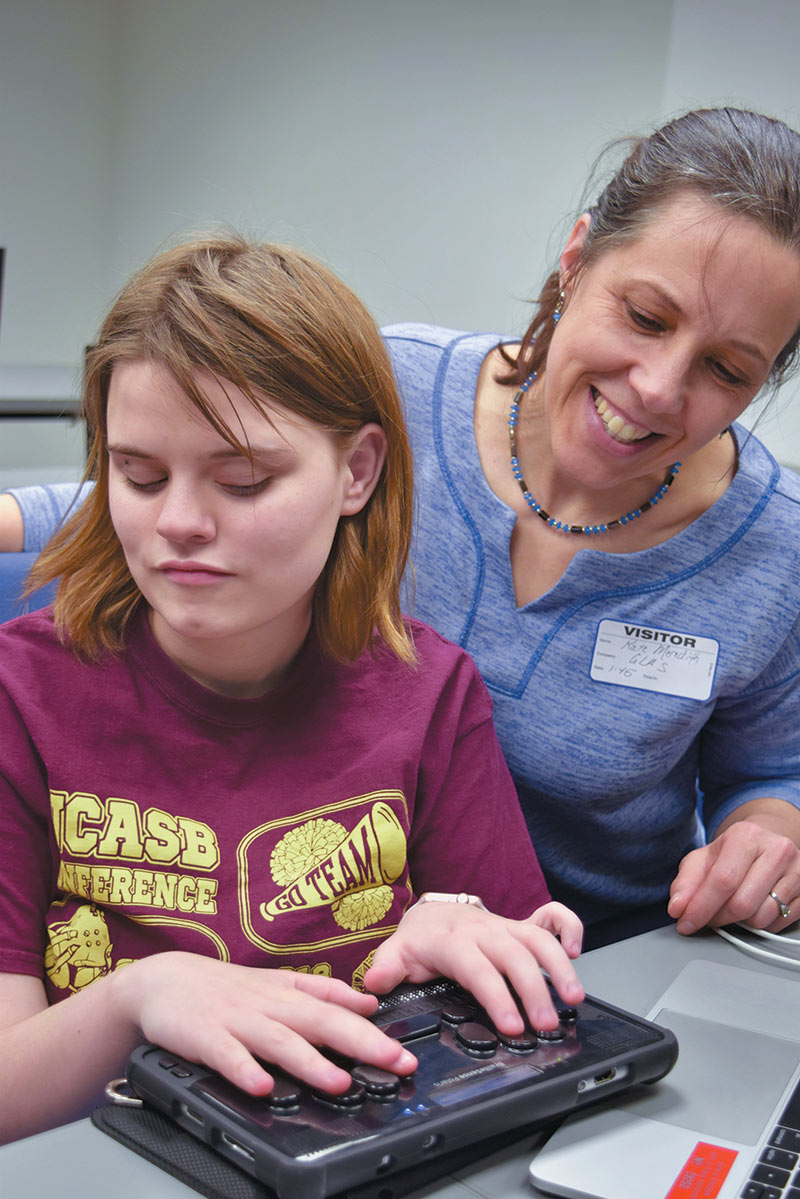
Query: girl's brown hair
x=746, y=163
x=281, y=328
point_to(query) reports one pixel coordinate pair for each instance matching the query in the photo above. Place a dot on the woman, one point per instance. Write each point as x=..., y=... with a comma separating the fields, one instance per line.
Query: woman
x=650, y=648
x=652, y=644
x=217, y=833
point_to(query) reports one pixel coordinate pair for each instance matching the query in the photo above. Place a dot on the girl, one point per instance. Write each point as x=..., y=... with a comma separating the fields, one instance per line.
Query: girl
x=229, y=769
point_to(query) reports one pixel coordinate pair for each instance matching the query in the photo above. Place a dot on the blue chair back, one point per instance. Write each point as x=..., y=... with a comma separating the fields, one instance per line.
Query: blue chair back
x=13, y=573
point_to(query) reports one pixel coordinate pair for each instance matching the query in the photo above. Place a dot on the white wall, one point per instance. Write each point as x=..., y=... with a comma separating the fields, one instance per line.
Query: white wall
x=429, y=150
x=57, y=76
x=425, y=149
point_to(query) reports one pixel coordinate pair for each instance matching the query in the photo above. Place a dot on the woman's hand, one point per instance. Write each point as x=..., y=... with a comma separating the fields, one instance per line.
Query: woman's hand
x=225, y=1016
x=484, y=953
x=731, y=878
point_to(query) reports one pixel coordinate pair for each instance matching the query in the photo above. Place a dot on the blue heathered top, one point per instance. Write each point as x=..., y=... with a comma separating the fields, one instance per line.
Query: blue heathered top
x=607, y=774
x=44, y=508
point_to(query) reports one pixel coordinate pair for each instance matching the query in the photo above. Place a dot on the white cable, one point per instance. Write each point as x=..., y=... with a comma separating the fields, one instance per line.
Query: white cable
x=756, y=951
x=784, y=938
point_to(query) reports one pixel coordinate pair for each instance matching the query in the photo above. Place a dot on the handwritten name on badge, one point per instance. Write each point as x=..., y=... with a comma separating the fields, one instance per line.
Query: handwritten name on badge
x=633, y=655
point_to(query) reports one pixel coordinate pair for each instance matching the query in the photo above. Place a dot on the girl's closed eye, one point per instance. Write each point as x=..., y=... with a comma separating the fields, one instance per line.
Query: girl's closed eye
x=138, y=473
x=148, y=486
x=243, y=490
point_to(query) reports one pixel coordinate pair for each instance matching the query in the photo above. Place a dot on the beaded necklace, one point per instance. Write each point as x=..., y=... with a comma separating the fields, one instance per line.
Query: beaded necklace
x=560, y=525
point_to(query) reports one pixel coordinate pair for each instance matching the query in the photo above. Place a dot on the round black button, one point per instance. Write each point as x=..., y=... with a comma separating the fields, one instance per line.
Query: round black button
x=476, y=1037
x=567, y=1015
x=354, y=1096
x=550, y=1034
x=458, y=1013
x=379, y=1084
x=524, y=1042
x=284, y=1094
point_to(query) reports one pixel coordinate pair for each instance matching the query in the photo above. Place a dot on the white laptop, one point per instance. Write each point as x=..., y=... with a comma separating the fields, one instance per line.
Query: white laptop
x=724, y=1124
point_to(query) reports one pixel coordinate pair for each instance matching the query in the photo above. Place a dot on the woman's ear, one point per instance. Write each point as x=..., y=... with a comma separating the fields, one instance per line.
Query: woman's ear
x=572, y=250
x=364, y=458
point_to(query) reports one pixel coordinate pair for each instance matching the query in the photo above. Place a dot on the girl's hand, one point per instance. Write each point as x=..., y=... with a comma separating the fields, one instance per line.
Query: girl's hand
x=484, y=953
x=226, y=1016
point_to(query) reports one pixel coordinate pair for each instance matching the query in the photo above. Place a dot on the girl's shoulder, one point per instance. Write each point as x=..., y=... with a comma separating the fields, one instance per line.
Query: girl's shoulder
x=27, y=641
x=440, y=665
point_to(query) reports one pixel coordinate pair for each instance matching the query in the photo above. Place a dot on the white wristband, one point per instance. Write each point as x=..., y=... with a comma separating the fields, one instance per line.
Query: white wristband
x=474, y=901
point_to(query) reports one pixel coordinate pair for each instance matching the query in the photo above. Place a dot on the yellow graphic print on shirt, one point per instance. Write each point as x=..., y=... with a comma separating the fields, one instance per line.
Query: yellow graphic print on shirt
x=320, y=863
x=116, y=854
x=79, y=950
x=305, y=883
x=357, y=981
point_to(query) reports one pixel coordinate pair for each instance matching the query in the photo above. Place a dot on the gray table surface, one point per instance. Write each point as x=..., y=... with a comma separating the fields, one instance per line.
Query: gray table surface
x=77, y=1161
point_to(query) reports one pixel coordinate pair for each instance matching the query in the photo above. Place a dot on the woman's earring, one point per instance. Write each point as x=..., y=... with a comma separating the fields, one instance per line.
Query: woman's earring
x=559, y=308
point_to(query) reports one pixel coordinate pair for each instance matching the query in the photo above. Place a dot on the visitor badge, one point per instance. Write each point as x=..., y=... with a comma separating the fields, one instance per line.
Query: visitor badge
x=649, y=659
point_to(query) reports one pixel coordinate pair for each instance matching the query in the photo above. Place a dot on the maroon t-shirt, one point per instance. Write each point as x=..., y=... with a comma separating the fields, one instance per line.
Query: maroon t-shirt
x=140, y=811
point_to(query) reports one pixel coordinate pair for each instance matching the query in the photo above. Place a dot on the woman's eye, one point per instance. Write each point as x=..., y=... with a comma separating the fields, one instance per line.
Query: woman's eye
x=648, y=324
x=727, y=375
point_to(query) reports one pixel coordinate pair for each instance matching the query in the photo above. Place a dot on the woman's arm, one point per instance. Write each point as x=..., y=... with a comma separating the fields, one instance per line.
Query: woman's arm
x=12, y=530
x=36, y=513
x=750, y=778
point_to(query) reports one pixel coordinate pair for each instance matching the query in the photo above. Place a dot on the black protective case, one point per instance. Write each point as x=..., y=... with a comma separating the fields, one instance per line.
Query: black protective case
x=458, y=1097
x=161, y=1141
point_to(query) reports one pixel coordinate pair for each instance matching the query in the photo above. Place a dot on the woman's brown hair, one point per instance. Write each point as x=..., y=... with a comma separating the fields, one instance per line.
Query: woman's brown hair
x=745, y=163
x=276, y=324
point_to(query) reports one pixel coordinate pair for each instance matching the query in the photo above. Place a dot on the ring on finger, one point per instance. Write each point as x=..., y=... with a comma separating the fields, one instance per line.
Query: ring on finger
x=784, y=910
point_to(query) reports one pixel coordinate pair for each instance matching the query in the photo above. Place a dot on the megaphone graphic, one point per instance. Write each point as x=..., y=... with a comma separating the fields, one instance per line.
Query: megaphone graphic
x=373, y=854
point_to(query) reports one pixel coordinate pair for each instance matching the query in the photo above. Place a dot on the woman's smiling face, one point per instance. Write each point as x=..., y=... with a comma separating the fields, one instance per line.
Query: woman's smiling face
x=664, y=340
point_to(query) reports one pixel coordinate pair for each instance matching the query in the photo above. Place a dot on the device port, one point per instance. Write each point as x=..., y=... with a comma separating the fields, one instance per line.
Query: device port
x=432, y=1141
x=191, y=1114
x=602, y=1080
x=242, y=1150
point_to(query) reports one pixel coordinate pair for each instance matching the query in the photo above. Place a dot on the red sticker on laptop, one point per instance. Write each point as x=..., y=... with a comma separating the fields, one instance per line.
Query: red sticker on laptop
x=704, y=1173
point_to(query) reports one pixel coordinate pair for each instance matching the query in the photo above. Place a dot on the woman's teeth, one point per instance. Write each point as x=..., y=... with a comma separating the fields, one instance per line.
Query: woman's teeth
x=616, y=426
